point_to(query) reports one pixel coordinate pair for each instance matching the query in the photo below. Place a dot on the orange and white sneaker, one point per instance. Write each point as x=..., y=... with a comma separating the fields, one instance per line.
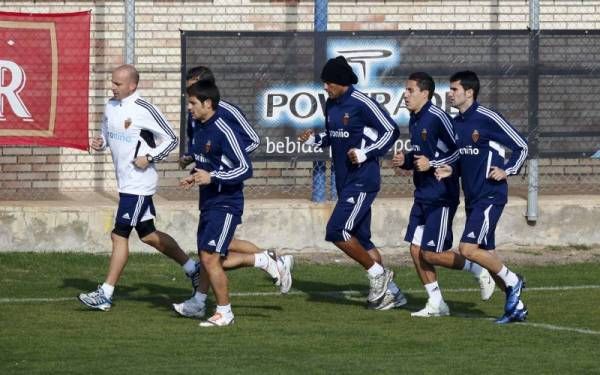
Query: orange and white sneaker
x=218, y=320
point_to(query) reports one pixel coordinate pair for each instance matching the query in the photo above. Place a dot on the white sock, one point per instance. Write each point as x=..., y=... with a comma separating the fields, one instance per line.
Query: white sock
x=200, y=298
x=520, y=305
x=224, y=310
x=189, y=267
x=375, y=270
x=108, y=290
x=261, y=260
x=434, y=293
x=472, y=267
x=392, y=287
x=509, y=277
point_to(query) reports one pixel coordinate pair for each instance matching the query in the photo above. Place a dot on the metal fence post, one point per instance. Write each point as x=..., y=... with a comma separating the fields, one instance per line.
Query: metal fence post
x=533, y=122
x=129, y=49
x=319, y=178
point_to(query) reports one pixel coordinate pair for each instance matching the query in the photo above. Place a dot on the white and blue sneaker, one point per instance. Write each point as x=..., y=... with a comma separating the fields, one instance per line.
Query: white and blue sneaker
x=519, y=315
x=379, y=285
x=513, y=295
x=96, y=299
x=190, y=308
x=389, y=301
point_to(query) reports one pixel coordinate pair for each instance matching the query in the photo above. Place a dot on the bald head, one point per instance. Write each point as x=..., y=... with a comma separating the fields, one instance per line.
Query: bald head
x=125, y=79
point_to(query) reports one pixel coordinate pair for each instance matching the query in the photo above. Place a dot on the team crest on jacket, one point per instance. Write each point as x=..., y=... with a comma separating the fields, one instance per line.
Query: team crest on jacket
x=207, y=147
x=127, y=123
x=475, y=136
x=346, y=118
x=424, y=135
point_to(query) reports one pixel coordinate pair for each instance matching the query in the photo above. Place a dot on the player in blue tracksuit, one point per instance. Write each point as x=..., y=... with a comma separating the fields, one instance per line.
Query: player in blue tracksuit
x=430, y=224
x=359, y=132
x=481, y=137
x=278, y=267
x=229, y=112
x=222, y=165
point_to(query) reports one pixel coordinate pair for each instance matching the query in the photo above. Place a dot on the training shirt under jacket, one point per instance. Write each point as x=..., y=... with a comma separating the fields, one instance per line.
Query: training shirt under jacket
x=130, y=128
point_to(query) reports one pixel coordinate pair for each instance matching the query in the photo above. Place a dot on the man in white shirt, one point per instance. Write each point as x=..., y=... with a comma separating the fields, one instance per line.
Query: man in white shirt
x=138, y=136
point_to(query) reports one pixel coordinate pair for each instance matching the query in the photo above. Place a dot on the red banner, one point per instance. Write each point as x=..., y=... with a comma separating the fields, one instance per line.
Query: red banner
x=44, y=79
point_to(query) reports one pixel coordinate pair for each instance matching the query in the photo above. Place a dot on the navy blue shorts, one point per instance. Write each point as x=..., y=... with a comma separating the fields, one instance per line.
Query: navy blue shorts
x=352, y=217
x=430, y=227
x=480, y=226
x=216, y=230
x=134, y=209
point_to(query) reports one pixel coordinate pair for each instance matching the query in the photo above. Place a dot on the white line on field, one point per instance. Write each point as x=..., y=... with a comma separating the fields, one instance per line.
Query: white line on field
x=551, y=327
x=324, y=293
x=337, y=294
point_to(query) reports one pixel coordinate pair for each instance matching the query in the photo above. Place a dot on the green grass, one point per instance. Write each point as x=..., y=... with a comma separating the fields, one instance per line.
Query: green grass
x=307, y=333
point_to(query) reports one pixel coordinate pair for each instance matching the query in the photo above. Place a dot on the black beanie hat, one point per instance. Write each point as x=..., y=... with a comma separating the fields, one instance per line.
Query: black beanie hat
x=338, y=71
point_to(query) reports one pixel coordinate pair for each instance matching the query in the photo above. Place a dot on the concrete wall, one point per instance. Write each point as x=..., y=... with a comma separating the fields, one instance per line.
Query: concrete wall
x=293, y=225
x=158, y=58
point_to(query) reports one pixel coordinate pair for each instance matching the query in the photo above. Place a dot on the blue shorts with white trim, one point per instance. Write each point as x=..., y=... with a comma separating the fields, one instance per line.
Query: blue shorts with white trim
x=351, y=217
x=430, y=227
x=480, y=226
x=215, y=231
x=134, y=209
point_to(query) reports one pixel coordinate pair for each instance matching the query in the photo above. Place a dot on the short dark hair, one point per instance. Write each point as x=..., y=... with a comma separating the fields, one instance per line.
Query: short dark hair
x=200, y=73
x=424, y=82
x=203, y=90
x=468, y=80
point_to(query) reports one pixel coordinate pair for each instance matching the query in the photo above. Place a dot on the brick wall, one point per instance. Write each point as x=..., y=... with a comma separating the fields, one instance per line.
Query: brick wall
x=49, y=171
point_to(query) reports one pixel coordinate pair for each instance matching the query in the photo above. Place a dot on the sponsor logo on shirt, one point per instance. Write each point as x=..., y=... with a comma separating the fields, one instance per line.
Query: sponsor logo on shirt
x=339, y=134
x=469, y=150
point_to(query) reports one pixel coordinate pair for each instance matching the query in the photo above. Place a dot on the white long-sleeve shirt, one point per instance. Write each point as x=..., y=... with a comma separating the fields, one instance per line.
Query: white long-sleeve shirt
x=123, y=126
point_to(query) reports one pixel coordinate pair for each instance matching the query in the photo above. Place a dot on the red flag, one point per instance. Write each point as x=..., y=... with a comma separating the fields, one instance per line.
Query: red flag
x=44, y=79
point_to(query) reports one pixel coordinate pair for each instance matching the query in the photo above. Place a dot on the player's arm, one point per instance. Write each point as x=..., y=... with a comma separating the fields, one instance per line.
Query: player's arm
x=249, y=137
x=237, y=164
x=506, y=135
x=446, y=146
x=99, y=143
x=387, y=133
x=187, y=158
x=156, y=123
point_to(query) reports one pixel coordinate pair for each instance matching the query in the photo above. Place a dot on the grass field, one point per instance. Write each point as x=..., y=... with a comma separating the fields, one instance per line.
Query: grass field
x=317, y=329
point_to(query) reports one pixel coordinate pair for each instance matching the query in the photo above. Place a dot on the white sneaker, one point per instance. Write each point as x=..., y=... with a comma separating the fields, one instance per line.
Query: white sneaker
x=190, y=308
x=218, y=320
x=272, y=267
x=486, y=284
x=389, y=301
x=285, y=265
x=379, y=285
x=429, y=310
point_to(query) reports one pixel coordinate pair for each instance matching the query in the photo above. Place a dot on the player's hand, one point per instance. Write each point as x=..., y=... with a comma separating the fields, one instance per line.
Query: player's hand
x=201, y=177
x=187, y=183
x=422, y=163
x=497, y=174
x=141, y=162
x=356, y=156
x=398, y=159
x=443, y=171
x=97, y=143
x=305, y=136
x=185, y=160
